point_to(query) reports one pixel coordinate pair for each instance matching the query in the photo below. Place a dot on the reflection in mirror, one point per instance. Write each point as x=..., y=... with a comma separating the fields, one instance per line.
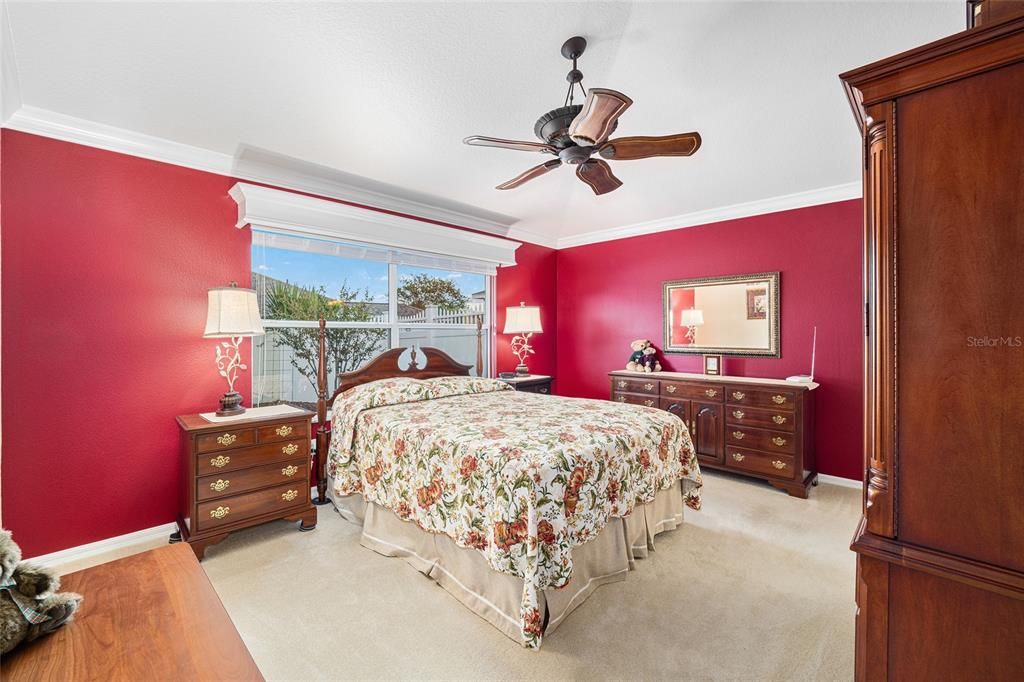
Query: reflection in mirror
x=736, y=315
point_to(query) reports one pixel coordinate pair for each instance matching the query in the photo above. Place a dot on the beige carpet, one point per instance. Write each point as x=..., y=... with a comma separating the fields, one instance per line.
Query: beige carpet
x=756, y=586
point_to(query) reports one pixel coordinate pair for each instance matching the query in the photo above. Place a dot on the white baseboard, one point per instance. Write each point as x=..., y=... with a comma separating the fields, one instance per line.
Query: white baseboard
x=838, y=480
x=102, y=551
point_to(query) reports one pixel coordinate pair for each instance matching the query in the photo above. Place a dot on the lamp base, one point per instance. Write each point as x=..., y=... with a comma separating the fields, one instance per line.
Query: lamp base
x=230, y=404
x=522, y=369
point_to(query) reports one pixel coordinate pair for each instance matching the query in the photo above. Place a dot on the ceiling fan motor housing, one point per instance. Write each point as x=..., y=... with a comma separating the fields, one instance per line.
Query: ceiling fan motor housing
x=575, y=155
x=553, y=127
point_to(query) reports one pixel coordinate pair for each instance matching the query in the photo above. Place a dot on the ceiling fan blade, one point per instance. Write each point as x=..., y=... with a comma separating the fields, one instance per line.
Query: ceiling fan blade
x=481, y=141
x=599, y=115
x=598, y=175
x=528, y=175
x=643, y=147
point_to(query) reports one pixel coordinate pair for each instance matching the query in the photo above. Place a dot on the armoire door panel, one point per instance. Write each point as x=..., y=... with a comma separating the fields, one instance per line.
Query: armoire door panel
x=942, y=629
x=960, y=317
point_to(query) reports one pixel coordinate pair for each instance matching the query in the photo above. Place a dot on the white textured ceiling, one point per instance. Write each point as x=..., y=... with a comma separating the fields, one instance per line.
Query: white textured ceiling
x=387, y=91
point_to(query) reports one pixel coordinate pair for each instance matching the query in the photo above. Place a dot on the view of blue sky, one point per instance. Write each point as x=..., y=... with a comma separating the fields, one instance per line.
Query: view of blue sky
x=332, y=272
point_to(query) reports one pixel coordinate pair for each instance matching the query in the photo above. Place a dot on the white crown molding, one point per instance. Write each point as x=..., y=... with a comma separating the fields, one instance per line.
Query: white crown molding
x=310, y=216
x=84, y=556
x=840, y=481
x=307, y=178
x=10, y=83
x=814, y=197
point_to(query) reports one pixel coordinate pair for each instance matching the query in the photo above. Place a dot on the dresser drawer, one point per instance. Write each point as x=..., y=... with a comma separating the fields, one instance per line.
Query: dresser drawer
x=750, y=416
x=782, y=466
x=637, y=385
x=759, y=439
x=234, y=482
x=241, y=458
x=223, y=440
x=759, y=397
x=635, y=399
x=284, y=431
x=228, y=510
x=691, y=390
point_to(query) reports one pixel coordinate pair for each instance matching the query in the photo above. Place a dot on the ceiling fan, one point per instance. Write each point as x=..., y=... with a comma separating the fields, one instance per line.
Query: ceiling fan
x=575, y=132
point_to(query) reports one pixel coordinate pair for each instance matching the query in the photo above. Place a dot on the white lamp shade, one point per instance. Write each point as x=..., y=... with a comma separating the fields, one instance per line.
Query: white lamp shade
x=524, y=319
x=233, y=312
x=691, y=317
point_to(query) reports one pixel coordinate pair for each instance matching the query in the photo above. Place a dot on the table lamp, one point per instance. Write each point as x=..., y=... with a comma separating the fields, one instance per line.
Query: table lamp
x=232, y=313
x=523, y=321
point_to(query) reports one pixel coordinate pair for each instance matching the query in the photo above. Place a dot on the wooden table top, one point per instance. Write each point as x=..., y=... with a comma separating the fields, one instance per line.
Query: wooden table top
x=149, y=616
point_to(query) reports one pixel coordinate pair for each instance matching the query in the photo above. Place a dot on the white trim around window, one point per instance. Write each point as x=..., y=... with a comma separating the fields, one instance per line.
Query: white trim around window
x=299, y=215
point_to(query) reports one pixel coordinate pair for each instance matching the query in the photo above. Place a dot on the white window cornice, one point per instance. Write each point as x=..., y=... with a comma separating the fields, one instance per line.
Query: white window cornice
x=282, y=211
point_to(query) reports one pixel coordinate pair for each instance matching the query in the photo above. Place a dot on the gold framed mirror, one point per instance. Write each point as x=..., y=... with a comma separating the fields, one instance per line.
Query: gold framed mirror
x=731, y=315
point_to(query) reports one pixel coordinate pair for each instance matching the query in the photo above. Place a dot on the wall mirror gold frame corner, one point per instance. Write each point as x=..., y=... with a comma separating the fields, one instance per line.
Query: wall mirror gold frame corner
x=731, y=315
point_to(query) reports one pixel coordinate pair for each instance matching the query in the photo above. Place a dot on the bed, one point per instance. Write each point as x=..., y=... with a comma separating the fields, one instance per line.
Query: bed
x=518, y=504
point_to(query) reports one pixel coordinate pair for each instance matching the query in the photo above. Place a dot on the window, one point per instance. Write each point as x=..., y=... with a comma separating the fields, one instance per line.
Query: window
x=372, y=298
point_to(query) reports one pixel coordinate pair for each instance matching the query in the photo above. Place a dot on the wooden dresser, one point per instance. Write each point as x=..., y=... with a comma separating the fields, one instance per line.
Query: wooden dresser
x=243, y=472
x=940, y=547
x=759, y=427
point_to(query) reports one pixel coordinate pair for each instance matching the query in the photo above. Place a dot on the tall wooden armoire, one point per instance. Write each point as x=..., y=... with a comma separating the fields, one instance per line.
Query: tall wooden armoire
x=940, y=547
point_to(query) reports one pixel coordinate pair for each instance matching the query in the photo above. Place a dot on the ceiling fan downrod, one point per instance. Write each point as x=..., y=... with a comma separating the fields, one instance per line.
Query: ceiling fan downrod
x=571, y=50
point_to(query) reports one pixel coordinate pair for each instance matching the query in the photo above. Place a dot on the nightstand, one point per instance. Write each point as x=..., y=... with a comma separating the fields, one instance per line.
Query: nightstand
x=530, y=383
x=243, y=471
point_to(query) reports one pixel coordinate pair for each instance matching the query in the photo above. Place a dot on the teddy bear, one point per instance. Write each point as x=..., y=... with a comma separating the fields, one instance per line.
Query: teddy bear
x=638, y=355
x=28, y=607
x=644, y=358
x=649, y=362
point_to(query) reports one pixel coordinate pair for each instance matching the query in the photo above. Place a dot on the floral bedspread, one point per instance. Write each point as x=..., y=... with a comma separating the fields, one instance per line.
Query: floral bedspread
x=521, y=477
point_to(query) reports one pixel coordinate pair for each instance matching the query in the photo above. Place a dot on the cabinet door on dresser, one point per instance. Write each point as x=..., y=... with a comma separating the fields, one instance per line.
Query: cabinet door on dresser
x=706, y=431
x=678, y=407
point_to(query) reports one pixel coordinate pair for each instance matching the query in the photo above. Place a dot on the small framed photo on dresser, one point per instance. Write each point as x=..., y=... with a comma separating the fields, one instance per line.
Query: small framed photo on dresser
x=713, y=364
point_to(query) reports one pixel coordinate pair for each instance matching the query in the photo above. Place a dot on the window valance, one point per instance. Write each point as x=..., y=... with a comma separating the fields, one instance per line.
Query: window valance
x=290, y=217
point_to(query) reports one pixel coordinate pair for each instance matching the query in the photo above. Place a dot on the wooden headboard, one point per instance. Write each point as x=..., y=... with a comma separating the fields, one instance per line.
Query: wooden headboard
x=425, y=364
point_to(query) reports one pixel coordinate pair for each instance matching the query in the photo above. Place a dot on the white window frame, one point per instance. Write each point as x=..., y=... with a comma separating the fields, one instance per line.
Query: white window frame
x=394, y=325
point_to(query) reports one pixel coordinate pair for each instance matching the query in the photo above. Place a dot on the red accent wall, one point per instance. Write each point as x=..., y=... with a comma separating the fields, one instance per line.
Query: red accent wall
x=106, y=262
x=610, y=293
x=106, y=259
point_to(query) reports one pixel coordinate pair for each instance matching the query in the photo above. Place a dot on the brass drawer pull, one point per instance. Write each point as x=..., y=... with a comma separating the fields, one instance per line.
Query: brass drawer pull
x=778, y=419
x=220, y=485
x=622, y=384
x=283, y=431
x=220, y=461
x=290, y=449
x=711, y=393
x=649, y=403
x=778, y=399
x=621, y=398
x=778, y=465
x=738, y=435
x=220, y=512
x=289, y=470
x=227, y=438
x=670, y=389
x=738, y=395
x=778, y=440
x=739, y=414
x=648, y=387
x=290, y=495
x=738, y=457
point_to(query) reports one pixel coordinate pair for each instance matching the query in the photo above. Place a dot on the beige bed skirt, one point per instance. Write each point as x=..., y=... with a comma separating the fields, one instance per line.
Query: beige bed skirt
x=495, y=596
